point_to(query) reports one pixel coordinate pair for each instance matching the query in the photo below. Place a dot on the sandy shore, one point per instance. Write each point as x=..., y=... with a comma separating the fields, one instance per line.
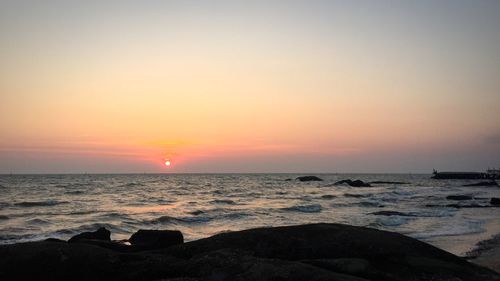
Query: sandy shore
x=487, y=253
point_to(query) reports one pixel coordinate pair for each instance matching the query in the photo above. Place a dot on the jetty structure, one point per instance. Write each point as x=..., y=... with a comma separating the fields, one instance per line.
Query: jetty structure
x=491, y=174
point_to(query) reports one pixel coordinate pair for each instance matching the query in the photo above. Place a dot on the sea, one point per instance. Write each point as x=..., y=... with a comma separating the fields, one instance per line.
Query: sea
x=35, y=207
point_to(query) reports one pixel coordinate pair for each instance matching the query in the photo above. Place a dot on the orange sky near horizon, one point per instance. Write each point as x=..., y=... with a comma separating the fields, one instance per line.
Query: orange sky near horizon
x=330, y=86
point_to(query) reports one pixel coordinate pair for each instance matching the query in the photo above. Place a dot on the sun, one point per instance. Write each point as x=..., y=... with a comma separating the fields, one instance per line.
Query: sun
x=167, y=163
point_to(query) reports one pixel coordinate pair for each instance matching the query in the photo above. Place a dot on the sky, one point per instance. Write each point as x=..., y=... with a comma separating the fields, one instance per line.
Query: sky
x=249, y=86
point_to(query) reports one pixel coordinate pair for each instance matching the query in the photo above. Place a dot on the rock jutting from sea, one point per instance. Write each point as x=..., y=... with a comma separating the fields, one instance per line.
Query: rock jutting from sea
x=302, y=252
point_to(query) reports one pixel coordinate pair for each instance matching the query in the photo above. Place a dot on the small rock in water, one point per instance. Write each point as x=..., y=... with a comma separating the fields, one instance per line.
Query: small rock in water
x=100, y=234
x=495, y=201
x=459, y=197
x=154, y=239
x=354, y=183
x=309, y=178
x=483, y=183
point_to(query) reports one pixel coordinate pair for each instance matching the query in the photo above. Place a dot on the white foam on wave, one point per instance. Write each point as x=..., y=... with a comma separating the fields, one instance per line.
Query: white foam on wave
x=392, y=220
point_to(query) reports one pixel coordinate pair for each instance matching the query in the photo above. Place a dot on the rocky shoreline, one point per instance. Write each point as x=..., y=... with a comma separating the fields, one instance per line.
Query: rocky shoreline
x=302, y=252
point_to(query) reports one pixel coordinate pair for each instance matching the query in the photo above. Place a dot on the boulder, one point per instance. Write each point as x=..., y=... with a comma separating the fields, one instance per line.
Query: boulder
x=100, y=234
x=309, y=178
x=495, y=201
x=156, y=239
x=459, y=197
x=296, y=253
x=354, y=183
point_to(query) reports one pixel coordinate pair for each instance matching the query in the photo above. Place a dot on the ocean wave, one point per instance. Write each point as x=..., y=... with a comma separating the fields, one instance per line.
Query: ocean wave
x=81, y=212
x=196, y=212
x=234, y=215
x=435, y=213
x=370, y=203
x=113, y=215
x=40, y=203
x=72, y=184
x=169, y=219
x=132, y=184
x=391, y=220
x=353, y=195
x=470, y=227
x=115, y=229
x=313, y=208
x=38, y=222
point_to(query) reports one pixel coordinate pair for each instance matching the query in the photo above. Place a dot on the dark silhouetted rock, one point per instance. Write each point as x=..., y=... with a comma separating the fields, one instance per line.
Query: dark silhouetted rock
x=495, y=201
x=391, y=213
x=100, y=234
x=459, y=197
x=156, y=239
x=483, y=183
x=328, y=196
x=354, y=183
x=304, y=252
x=309, y=178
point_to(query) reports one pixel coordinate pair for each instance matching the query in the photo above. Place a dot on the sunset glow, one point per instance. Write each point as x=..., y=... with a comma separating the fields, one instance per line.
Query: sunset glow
x=248, y=87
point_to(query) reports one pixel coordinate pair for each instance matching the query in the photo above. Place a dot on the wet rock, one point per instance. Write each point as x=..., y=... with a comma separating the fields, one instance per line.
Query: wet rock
x=495, y=201
x=156, y=239
x=483, y=183
x=459, y=197
x=377, y=255
x=354, y=183
x=100, y=234
x=309, y=178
